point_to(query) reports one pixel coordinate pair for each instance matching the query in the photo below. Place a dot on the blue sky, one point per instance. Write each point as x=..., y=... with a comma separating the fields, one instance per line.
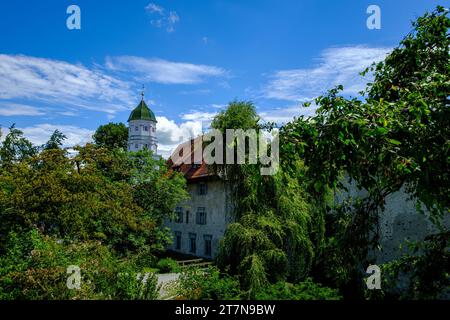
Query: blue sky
x=192, y=56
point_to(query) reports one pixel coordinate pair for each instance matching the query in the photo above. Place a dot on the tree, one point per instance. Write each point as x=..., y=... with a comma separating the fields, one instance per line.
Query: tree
x=56, y=140
x=157, y=189
x=274, y=233
x=15, y=147
x=397, y=136
x=79, y=197
x=111, y=136
x=97, y=208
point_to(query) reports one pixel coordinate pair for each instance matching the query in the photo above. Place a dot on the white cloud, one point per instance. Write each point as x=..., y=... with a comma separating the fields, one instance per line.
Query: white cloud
x=62, y=83
x=199, y=116
x=152, y=8
x=337, y=66
x=172, y=19
x=68, y=113
x=163, y=71
x=170, y=134
x=167, y=21
x=40, y=133
x=218, y=106
x=196, y=92
x=15, y=109
x=287, y=114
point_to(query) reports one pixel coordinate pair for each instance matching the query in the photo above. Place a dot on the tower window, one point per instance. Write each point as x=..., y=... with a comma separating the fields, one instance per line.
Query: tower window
x=187, y=216
x=153, y=129
x=136, y=128
x=136, y=146
x=145, y=128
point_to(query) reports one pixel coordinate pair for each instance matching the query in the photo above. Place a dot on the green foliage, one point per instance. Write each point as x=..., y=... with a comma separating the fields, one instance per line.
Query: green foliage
x=103, y=208
x=56, y=140
x=208, y=284
x=34, y=268
x=238, y=115
x=112, y=136
x=100, y=208
x=397, y=136
x=305, y=290
x=423, y=273
x=275, y=231
x=15, y=148
x=132, y=286
x=91, y=196
x=65, y=200
x=157, y=189
x=168, y=265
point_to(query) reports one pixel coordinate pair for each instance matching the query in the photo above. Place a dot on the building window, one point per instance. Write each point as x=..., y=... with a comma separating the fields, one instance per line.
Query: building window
x=187, y=216
x=202, y=189
x=179, y=215
x=145, y=128
x=201, y=216
x=208, y=248
x=153, y=129
x=177, y=240
x=192, y=243
x=136, y=146
x=136, y=128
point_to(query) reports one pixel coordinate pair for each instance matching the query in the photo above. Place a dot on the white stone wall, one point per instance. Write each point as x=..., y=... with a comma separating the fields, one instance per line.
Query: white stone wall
x=138, y=137
x=218, y=217
x=399, y=222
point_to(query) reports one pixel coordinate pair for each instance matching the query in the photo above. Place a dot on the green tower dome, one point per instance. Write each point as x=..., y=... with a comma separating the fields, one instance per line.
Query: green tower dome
x=142, y=112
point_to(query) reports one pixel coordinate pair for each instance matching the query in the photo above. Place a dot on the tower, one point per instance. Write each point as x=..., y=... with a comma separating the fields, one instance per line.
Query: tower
x=142, y=128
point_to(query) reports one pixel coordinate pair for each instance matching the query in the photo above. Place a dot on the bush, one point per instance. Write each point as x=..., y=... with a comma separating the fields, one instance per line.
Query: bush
x=132, y=286
x=34, y=267
x=209, y=284
x=306, y=290
x=168, y=265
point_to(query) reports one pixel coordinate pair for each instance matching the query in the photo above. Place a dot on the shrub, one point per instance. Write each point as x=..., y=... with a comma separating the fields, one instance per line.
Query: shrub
x=132, y=286
x=34, y=267
x=197, y=284
x=306, y=290
x=168, y=265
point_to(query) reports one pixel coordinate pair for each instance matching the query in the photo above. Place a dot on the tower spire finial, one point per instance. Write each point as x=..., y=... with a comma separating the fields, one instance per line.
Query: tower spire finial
x=143, y=92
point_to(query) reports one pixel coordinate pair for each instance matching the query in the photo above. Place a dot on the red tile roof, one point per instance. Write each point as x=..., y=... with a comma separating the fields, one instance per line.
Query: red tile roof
x=189, y=169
